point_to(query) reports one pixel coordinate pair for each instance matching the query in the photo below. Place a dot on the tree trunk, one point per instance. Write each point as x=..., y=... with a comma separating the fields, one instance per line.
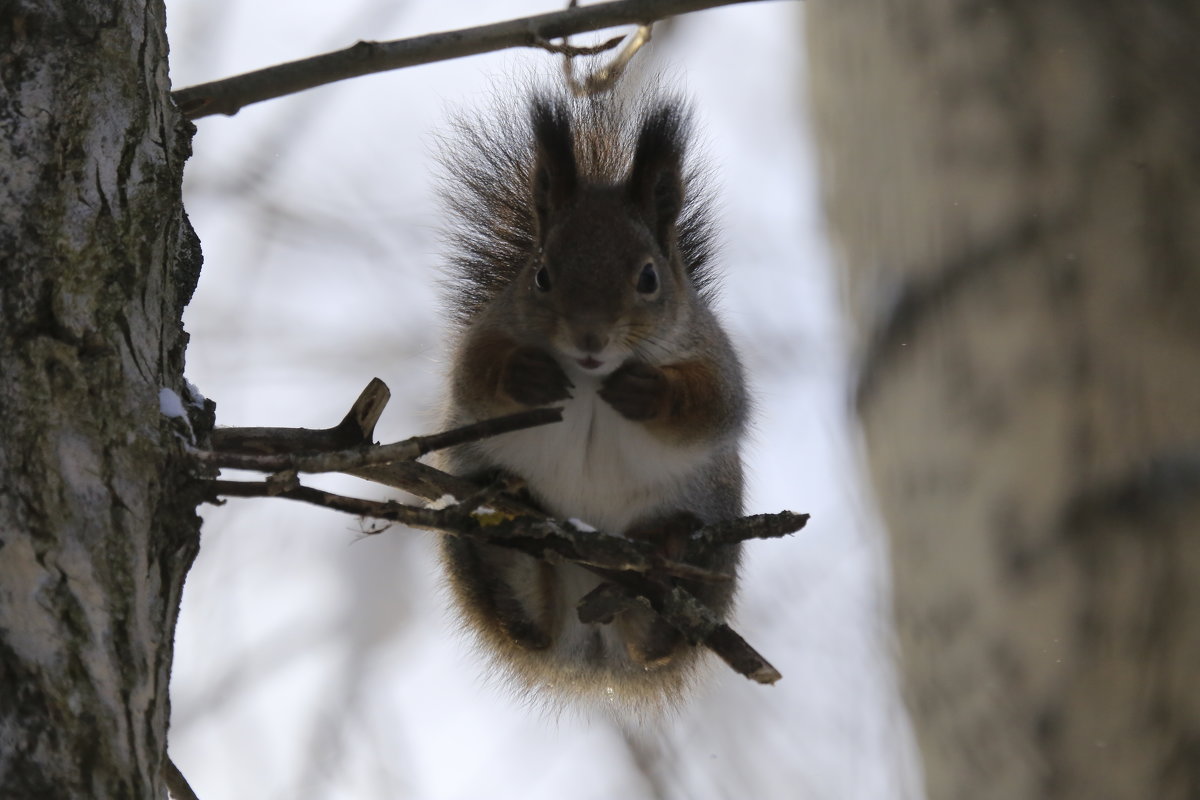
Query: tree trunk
x=96, y=527
x=1016, y=189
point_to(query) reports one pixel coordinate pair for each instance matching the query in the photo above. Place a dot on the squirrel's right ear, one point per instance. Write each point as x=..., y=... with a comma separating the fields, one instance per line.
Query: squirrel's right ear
x=655, y=183
x=554, y=171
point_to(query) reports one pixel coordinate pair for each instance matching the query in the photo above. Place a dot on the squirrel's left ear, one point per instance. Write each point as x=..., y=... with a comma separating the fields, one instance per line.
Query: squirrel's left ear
x=655, y=182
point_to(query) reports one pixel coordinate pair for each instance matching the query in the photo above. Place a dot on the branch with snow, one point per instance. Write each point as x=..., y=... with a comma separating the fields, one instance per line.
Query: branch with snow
x=633, y=570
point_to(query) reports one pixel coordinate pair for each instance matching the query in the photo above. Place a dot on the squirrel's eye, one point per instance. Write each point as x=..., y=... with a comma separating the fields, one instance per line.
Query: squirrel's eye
x=647, y=280
x=541, y=279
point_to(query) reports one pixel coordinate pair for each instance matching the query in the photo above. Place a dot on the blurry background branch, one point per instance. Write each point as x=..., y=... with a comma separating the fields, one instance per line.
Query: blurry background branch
x=230, y=95
x=633, y=569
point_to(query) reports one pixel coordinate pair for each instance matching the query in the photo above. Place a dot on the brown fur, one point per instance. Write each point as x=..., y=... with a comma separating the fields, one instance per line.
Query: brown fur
x=582, y=278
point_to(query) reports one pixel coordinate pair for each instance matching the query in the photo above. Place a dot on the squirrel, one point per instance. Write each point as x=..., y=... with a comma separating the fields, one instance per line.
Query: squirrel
x=581, y=276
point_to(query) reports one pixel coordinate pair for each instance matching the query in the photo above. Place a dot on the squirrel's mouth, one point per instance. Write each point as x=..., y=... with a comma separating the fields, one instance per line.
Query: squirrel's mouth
x=589, y=362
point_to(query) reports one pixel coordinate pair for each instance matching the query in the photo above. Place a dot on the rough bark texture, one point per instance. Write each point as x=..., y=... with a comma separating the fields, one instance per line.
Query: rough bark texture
x=1016, y=188
x=96, y=262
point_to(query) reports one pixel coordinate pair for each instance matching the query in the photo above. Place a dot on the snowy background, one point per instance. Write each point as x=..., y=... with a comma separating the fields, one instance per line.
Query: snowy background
x=315, y=662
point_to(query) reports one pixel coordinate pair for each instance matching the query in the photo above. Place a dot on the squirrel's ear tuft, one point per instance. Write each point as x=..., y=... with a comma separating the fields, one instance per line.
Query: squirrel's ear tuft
x=655, y=182
x=555, y=174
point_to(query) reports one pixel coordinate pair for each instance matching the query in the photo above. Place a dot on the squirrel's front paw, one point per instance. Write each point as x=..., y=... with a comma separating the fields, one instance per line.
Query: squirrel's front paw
x=637, y=390
x=533, y=378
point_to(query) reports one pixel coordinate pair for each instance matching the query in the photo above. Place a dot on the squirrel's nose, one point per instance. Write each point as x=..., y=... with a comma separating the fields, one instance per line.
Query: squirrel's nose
x=591, y=341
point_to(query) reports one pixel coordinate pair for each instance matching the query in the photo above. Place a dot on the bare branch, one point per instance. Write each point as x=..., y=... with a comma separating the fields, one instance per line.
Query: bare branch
x=365, y=455
x=529, y=530
x=603, y=78
x=634, y=570
x=759, y=526
x=737, y=653
x=387, y=510
x=632, y=566
x=571, y=51
x=230, y=95
x=428, y=483
x=356, y=428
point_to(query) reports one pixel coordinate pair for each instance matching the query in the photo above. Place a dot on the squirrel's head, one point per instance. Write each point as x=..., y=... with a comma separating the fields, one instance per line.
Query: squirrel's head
x=606, y=277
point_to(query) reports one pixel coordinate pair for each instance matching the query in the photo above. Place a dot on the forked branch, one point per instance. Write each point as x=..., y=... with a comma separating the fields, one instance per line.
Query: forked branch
x=631, y=568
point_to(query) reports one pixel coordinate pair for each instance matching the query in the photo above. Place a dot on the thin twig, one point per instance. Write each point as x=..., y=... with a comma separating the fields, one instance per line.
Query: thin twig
x=697, y=622
x=529, y=531
x=356, y=428
x=387, y=510
x=428, y=483
x=604, y=78
x=367, y=455
x=622, y=562
x=230, y=95
x=758, y=526
x=634, y=570
x=571, y=51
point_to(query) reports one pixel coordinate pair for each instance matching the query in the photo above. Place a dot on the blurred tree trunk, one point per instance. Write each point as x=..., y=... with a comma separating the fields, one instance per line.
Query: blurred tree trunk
x=1016, y=191
x=96, y=262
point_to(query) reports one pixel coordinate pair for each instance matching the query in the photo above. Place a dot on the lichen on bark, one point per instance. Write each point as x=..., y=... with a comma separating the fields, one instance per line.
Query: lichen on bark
x=96, y=526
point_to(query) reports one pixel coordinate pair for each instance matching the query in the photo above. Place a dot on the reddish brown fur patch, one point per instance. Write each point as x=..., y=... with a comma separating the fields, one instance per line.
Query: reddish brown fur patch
x=479, y=372
x=695, y=406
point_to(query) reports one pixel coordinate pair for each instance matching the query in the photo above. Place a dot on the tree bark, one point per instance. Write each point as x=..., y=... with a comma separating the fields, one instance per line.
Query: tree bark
x=97, y=528
x=1016, y=189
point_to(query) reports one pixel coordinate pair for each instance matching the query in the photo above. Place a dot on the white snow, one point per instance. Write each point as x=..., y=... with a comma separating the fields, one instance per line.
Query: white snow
x=445, y=501
x=169, y=404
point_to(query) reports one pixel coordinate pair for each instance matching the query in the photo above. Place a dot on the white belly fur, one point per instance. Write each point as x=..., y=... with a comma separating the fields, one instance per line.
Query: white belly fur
x=596, y=465
x=600, y=468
